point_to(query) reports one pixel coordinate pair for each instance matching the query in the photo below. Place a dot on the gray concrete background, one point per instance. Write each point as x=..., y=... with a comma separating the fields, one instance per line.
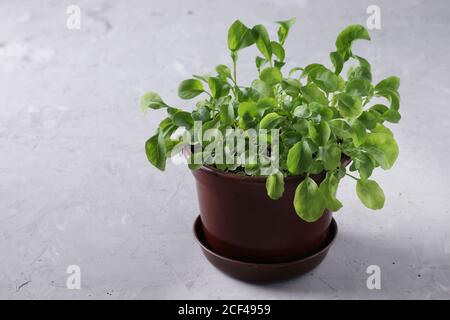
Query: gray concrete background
x=76, y=188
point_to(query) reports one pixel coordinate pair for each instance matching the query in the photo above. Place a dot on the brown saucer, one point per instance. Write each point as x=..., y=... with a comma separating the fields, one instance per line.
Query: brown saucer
x=263, y=272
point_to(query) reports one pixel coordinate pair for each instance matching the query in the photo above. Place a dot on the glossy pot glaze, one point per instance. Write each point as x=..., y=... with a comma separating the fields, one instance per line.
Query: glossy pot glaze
x=241, y=222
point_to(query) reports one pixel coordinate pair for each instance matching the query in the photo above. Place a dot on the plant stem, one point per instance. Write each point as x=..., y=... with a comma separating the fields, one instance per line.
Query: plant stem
x=234, y=58
x=234, y=70
x=356, y=179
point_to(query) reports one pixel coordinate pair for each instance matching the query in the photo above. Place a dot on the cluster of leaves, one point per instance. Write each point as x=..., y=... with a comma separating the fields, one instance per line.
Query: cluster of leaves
x=321, y=117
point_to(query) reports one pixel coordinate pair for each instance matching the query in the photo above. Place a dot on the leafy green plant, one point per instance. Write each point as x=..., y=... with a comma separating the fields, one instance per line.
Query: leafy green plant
x=321, y=117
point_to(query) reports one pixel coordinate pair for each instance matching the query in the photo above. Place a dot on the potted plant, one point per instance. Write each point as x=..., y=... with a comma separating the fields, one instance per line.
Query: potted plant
x=268, y=157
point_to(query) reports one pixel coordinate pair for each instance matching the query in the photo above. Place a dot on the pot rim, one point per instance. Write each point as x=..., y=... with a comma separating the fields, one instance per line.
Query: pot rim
x=234, y=176
x=256, y=179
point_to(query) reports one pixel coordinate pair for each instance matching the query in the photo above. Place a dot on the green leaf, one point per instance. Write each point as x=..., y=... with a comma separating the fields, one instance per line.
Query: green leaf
x=364, y=164
x=167, y=127
x=290, y=137
x=328, y=187
x=392, y=95
x=260, y=62
x=358, y=73
x=331, y=157
x=260, y=89
x=203, y=78
x=183, y=119
x=370, y=119
x=341, y=128
x=349, y=106
x=347, y=36
x=275, y=186
x=392, y=83
x=362, y=62
x=284, y=29
x=311, y=93
x=379, y=109
x=309, y=202
x=202, y=114
x=212, y=124
x=152, y=100
x=190, y=88
x=265, y=104
x=302, y=111
x=227, y=114
x=291, y=86
x=319, y=133
x=316, y=167
x=359, y=132
x=300, y=126
x=218, y=87
x=171, y=111
x=320, y=112
x=271, y=121
x=223, y=71
x=271, y=76
x=169, y=145
x=359, y=87
x=325, y=80
x=278, y=50
x=341, y=83
x=279, y=64
x=363, y=71
x=263, y=41
x=322, y=77
x=246, y=121
x=370, y=194
x=239, y=36
x=383, y=147
x=156, y=152
x=247, y=108
x=392, y=116
x=299, y=157
x=295, y=69
x=382, y=129
x=312, y=70
x=337, y=61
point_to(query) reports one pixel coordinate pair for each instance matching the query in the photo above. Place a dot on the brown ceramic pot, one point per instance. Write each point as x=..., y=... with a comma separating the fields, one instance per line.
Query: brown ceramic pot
x=241, y=222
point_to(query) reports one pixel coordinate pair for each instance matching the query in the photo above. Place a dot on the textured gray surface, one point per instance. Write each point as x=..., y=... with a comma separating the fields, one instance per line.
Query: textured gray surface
x=76, y=188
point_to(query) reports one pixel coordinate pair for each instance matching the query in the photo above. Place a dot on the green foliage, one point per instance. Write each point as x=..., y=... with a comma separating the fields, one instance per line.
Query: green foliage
x=322, y=117
x=275, y=185
x=284, y=29
x=152, y=100
x=299, y=158
x=328, y=188
x=156, y=151
x=309, y=201
x=345, y=39
x=190, y=88
x=263, y=41
x=239, y=36
x=370, y=193
x=271, y=76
